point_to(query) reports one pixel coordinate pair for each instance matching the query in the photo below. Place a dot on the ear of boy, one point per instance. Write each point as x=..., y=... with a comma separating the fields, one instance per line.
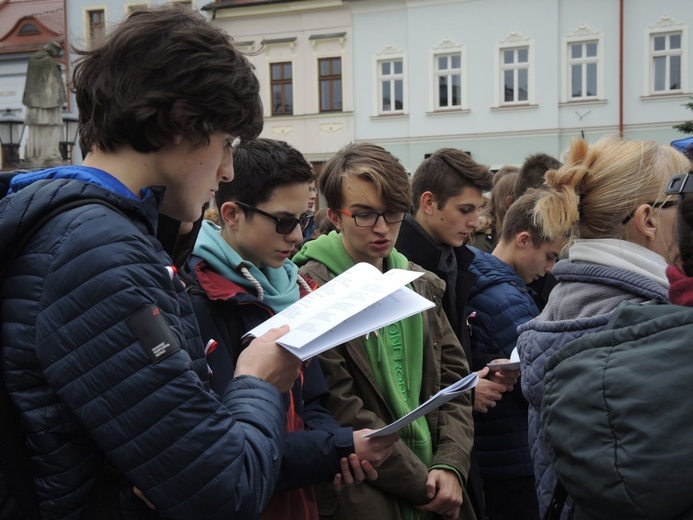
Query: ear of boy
x=336, y=219
x=428, y=203
x=229, y=213
x=522, y=240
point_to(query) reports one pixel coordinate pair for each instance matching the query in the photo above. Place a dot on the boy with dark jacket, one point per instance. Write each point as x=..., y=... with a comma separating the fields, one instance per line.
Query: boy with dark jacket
x=447, y=198
x=502, y=301
x=101, y=352
x=243, y=276
x=384, y=375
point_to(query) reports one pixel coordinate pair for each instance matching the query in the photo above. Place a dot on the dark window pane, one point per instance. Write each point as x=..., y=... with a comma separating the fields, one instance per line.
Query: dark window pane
x=276, y=99
x=442, y=62
x=398, y=67
x=386, y=96
x=576, y=80
x=509, y=85
x=337, y=84
x=659, y=43
x=523, y=88
x=287, y=71
x=522, y=55
x=337, y=66
x=675, y=41
x=288, y=99
x=508, y=57
x=659, y=64
x=576, y=50
x=324, y=68
x=399, y=95
x=325, y=96
x=456, y=91
x=456, y=61
x=385, y=68
x=591, y=50
x=276, y=71
x=675, y=72
x=591, y=79
x=443, y=91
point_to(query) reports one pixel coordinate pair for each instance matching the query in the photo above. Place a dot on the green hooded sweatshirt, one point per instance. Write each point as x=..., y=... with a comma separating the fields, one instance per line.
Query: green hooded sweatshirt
x=395, y=352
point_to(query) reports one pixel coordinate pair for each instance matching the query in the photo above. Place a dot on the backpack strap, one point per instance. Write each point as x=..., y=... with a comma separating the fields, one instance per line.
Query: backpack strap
x=17, y=492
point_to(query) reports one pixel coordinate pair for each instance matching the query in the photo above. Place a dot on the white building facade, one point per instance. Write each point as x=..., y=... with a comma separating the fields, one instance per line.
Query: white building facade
x=505, y=78
x=302, y=54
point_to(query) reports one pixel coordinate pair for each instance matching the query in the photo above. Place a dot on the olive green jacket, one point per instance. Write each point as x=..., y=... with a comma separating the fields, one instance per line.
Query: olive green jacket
x=355, y=400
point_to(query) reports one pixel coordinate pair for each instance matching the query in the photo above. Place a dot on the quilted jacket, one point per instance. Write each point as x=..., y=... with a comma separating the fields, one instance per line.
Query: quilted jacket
x=86, y=385
x=502, y=302
x=581, y=303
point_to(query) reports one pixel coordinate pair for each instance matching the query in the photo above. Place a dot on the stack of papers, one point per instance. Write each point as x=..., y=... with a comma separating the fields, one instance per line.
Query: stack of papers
x=360, y=300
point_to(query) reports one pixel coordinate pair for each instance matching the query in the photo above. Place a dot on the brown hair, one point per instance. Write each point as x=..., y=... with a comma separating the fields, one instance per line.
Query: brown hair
x=164, y=72
x=599, y=185
x=498, y=207
x=262, y=165
x=520, y=217
x=445, y=173
x=372, y=163
x=532, y=172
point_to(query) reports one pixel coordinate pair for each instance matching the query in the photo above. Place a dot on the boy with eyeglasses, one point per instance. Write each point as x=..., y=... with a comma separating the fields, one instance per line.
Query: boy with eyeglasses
x=376, y=379
x=242, y=276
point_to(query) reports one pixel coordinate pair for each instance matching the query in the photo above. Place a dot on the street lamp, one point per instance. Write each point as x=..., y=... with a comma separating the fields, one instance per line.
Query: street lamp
x=70, y=129
x=11, y=132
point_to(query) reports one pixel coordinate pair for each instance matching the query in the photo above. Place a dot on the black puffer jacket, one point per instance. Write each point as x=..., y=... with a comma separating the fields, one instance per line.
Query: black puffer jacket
x=86, y=384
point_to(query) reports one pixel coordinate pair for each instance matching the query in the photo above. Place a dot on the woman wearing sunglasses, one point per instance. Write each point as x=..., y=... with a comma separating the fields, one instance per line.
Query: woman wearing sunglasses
x=610, y=197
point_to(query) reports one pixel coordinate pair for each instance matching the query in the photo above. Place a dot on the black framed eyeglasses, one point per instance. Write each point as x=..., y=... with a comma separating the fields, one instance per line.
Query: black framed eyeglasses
x=283, y=225
x=370, y=218
x=661, y=205
x=680, y=184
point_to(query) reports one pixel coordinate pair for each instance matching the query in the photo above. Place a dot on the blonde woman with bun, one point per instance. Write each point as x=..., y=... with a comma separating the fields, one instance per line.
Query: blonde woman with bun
x=610, y=198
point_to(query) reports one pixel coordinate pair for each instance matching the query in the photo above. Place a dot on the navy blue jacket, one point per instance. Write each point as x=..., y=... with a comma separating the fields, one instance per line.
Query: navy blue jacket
x=502, y=302
x=226, y=311
x=88, y=387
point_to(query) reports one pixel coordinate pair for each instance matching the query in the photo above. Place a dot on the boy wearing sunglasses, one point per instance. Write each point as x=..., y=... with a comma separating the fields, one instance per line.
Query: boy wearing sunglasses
x=242, y=276
x=376, y=379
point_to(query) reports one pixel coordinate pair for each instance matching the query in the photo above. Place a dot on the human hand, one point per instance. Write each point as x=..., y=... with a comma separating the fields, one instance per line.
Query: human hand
x=487, y=392
x=374, y=449
x=265, y=359
x=354, y=471
x=505, y=377
x=444, y=492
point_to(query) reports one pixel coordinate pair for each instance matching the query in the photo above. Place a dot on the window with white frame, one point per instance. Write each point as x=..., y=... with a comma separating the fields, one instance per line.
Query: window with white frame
x=391, y=86
x=582, y=69
x=515, y=75
x=666, y=53
x=448, y=80
x=583, y=61
x=666, y=65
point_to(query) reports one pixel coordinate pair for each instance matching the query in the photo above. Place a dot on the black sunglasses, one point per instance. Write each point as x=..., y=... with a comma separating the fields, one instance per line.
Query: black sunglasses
x=680, y=184
x=283, y=225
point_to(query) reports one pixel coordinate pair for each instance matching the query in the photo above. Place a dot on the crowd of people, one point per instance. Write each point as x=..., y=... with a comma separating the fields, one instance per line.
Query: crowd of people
x=125, y=352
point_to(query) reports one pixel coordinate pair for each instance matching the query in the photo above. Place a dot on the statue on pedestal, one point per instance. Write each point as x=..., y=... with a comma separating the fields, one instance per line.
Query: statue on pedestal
x=44, y=97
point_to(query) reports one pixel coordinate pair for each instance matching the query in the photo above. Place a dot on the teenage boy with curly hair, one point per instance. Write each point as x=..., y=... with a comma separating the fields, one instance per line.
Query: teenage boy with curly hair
x=101, y=351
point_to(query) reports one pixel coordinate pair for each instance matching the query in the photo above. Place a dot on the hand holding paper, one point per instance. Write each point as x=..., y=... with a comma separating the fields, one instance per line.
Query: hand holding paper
x=442, y=397
x=352, y=304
